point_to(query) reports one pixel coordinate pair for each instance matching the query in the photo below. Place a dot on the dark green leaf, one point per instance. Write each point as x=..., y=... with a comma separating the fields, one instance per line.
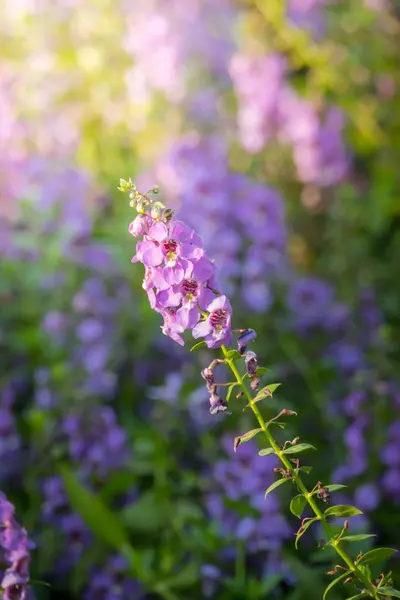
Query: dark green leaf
x=261, y=370
x=147, y=515
x=334, y=582
x=274, y=485
x=198, y=345
x=388, y=591
x=376, y=555
x=342, y=510
x=266, y=452
x=233, y=355
x=298, y=448
x=297, y=505
x=240, y=439
x=359, y=596
x=102, y=521
x=244, y=509
x=266, y=586
x=304, y=529
x=230, y=390
x=185, y=577
x=357, y=538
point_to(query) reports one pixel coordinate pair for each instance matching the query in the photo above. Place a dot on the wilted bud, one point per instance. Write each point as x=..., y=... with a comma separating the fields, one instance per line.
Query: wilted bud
x=251, y=361
x=167, y=215
x=217, y=404
x=255, y=383
x=208, y=375
x=244, y=339
x=323, y=494
x=139, y=226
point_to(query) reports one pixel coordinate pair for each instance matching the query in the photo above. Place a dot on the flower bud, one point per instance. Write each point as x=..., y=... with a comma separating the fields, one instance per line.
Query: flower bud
x=139, y=226
x=244, y=339
x=141, y=205
x=250, y=359
x=157, y=210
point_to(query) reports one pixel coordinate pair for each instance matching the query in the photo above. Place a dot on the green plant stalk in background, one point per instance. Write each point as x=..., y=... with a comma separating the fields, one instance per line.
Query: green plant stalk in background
x=361, y=573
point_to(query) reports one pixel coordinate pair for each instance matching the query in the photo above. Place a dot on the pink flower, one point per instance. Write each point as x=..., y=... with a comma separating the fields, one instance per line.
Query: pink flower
x=216, y=329
x=172, y=247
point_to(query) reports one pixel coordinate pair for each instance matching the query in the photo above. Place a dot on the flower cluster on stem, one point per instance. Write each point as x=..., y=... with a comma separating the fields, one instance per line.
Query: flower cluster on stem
x=172, y=252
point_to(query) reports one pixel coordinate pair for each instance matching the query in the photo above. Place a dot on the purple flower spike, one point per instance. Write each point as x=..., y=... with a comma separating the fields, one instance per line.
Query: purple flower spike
x=179, y=277
x=216, y=329
x=14, y=540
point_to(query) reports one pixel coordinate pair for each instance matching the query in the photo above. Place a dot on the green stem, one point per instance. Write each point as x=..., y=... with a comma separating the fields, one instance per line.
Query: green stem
x=299, y=482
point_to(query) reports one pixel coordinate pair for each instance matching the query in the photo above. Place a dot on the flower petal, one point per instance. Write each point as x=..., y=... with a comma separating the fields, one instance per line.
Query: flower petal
x=173, y=275
x=158, y=231
x=202, y=329
x=152, y=255
x=220, y=302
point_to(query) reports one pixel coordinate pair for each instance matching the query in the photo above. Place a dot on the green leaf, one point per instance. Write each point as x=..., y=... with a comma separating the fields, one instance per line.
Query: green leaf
x=305, y=469
x=376, y=555
x=266, y=452
x=240, y=439
x=342, y=510
x=298, y=448
x=266, y=391
x=357, y=538
x=388, y=591
x=260, y=371
x=274, y=485
x=230, y=390
x=333, y=487
x=272, y=387
x=359, y=596
x=233, y=355
x=102, y=521
x=198, y=345
x=334, y=582
x=304, y=529
x=297, y=505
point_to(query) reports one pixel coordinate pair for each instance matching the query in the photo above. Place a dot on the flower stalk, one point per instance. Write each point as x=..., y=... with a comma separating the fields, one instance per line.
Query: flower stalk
x=335, y=542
